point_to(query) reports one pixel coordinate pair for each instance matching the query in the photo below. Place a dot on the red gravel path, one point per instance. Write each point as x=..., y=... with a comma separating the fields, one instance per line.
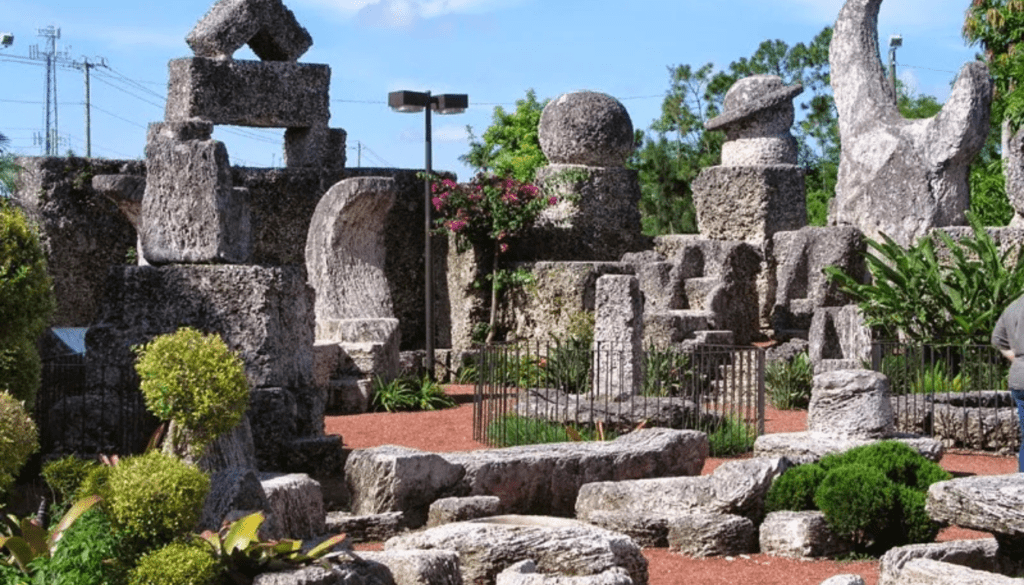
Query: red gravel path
x=452, y=430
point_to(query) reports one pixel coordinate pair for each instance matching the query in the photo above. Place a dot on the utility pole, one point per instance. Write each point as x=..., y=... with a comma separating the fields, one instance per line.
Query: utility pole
x=359, y=153
x=85, y=65
x=52, y=58
x=895, y=42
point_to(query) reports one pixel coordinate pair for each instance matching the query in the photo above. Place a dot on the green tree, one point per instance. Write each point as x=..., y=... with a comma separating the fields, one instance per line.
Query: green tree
x=26, y=302
x=8, y=168
x=510, y=146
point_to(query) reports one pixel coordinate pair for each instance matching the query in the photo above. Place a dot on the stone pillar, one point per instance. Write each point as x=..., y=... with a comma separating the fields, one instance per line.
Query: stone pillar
x=618, y=337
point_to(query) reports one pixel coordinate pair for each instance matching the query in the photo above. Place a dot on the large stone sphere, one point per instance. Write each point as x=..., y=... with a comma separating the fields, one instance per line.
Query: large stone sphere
x=586, y=128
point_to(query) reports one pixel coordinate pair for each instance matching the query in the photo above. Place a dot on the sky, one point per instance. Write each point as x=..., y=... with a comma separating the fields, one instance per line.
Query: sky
x=492, y=50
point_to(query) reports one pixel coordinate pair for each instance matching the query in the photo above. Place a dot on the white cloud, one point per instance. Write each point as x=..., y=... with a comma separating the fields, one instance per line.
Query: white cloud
x=406, y=13
x=893, y=13
x=450, y=133
x=398, y=14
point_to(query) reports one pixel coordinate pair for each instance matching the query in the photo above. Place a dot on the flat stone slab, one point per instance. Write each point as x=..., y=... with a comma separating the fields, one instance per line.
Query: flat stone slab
x=929, y=572
x=707, y=535
x=980, y=555
x=366, y=528
x=991, y=503
x=736, y=487
x=418, y=567
x=800, y=535
x=525, y=573
x=448, y=510
x=546, y=479
x=557, y=545
x=809, y=446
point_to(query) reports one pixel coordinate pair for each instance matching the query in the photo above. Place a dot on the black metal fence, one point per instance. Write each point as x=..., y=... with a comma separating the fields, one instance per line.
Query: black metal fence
x=955, y=392
x=73, y=419
x=533, y=393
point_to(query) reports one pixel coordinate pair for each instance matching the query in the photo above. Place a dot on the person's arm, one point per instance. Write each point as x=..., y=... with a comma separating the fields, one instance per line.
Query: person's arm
x=1008, y=353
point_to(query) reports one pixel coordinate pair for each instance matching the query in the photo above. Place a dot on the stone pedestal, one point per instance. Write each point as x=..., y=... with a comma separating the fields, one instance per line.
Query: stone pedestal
x=749, y=203
x=618, y=337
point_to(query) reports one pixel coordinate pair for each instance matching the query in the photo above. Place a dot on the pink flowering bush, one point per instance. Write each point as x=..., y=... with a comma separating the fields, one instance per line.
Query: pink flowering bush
x=488, y=212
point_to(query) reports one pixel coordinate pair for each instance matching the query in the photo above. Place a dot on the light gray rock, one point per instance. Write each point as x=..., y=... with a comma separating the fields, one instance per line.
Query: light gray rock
x=851, y=404
x=980, y=555
x=797, y=259
x=398, y=479
x=125, y=191
x=235, y=491
x=418, y=567
x=546, y=479
x=525, y=573
x=736, y=487
x=808, y=447
x=366, y=528
x=647, y=530
x=749, y=203
x=191, y=212
x=896, y=176
x=557, y=545
x=268, y=94
x=992, y=503
x=800, y=535
x=448, y=510
x=839, y=334
x=618, y=337
x=560, y=407
x=297, y=502
x=705, y=535
x=267, y=26
x=929, y=572
x=756, y=116
x=845, y=579
x=586, y=128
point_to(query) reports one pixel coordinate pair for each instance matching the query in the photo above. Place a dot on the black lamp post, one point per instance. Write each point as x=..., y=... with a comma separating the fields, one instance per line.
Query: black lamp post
x=415, y=101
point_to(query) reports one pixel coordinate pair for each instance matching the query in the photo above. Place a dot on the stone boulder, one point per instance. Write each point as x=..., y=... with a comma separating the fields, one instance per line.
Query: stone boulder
x=929, y=572
x=844, y=579
x=800, y=535
x=980, y=555
x=546, y=479
x=896, y=176
x=557, y=545
x=297, y=502
x=851, y=404
x=586, y=128
x=839, y=339
x=808, y=447
x=736, y=487
x=368, y=527
x=398, y=479
x=448, y=510
x=267, y=26
x=705, y=535
x=992, y=503
x=418, y=567
x=525, y=573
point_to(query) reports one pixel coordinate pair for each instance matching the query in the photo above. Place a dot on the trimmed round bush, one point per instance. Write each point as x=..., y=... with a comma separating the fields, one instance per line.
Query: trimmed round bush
x=96, y=483
x=196, y=381
x=794, y=489
x=178, y=564
x=18, y=439
x=156, y=498
x=65, y=475
x=898, y=461
x=26, y=302
x=857, y=501
x=915, y=525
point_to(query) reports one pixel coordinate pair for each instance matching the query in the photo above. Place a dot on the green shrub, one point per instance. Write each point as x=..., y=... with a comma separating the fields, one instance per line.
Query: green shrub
x=18, y=439
x=794, y=489
x=857, y=501
x=788, y=383
x=667, y=372
x=178, y=564
x=195, y=381
x=26, y=302
x=96, y=483
x=512, y=430
x=899, y=462
x=937, y=378
x=88, y=553
x=155, y=498
x=570, y=362
x=65, y=475
x=731, y=436
x=912, y=524
x=408, y=393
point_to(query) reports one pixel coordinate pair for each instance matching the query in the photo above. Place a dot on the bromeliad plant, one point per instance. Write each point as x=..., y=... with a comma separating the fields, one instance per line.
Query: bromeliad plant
x=488, y=213
x=34, y=541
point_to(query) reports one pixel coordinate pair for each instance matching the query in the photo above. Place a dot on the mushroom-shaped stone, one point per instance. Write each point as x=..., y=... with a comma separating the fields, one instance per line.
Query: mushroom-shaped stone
x=756, y=116
x=586, y=128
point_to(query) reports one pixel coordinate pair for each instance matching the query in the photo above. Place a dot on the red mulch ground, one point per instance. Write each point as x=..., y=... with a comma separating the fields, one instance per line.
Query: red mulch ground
x=452, y=430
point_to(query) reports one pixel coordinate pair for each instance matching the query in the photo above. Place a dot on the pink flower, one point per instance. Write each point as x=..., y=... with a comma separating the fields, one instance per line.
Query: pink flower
x=552, y=200
x=503, y=247
x=456, y=225
x=438, y=203
x=449, y=184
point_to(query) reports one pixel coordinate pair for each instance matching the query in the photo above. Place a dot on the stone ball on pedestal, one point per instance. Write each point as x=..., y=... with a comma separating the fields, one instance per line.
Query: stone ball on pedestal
x=586, y=128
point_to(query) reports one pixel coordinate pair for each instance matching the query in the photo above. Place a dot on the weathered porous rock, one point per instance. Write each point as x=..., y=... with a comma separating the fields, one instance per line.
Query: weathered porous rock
x=346, y=573
x=317, y=455
x=525, y=573
x=586, y=128
x=345, y=250
x=929, y=572
x=896, y=176
x=705, y=535
x=366, y=528
x=267, y=26
x=191, y=212
x=982, y=420
x=992, y=503
x=448, y=510
x=808, y=447
x=647, y=530
x=125, y=191
x=736, y=487
x=546, y=479
x=756, y=116
x=418, y=567
x=559, y=407
x=556, y=545
x=234, y=449
x=797, y=259
x=800, y=535
x=399, y=479
x=851, y=404
x=839, y=335
x=270, y=94
x=618, y=337
x=749, y=203
x=82, y=232
x=845, y=579
x=234, y=488
x=980, y=555
x=274, y=412
x=297, y=502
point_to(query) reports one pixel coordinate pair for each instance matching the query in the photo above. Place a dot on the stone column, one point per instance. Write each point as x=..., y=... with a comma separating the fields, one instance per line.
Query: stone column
x=618, y=337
